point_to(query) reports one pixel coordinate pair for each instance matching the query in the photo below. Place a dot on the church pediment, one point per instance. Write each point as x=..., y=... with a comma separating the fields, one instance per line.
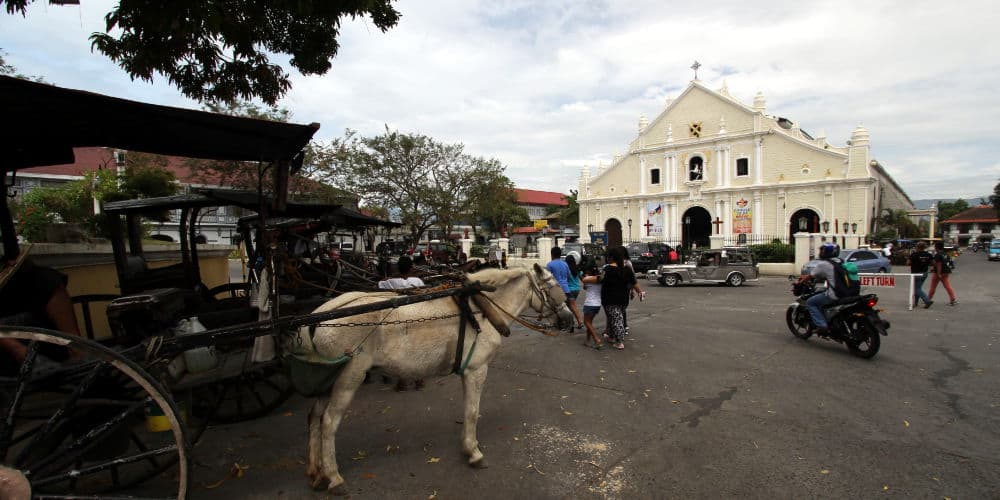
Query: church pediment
x=697, y=113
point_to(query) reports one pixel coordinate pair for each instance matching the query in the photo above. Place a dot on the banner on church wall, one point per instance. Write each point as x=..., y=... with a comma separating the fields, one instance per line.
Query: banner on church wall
x=655, y=214
x=742, y=217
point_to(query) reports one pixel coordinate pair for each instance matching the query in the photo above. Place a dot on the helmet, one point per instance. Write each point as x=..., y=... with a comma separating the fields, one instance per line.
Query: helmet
x=829, y=251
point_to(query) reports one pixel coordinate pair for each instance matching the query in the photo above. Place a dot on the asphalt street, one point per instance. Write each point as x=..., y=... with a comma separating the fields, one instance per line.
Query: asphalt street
x=712, y=397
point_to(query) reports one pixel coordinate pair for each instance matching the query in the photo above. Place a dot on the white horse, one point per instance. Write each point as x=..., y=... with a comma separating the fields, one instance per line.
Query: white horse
x=414, y=351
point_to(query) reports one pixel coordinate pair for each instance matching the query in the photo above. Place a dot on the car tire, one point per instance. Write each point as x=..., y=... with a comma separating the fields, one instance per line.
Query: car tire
x=882, y=270
x=735, y=279
x=671, y=280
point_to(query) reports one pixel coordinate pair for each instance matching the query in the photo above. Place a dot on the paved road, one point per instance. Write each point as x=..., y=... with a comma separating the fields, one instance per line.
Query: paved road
x=712, y=397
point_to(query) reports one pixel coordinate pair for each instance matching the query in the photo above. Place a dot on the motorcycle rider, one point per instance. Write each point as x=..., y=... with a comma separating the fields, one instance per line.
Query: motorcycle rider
x=829, y=256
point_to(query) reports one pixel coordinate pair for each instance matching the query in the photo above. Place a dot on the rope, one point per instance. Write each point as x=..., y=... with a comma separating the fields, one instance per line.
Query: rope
x=530, y=326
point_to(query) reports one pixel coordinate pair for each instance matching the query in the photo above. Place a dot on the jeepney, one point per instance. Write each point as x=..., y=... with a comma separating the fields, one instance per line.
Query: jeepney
x=731, y=266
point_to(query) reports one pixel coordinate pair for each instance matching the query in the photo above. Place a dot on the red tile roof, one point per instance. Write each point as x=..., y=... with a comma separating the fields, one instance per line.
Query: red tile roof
x=532, y=197
x=980, y=214
x=93, y=158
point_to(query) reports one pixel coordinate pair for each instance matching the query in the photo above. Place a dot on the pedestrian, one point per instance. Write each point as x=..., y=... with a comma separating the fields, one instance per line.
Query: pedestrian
x=888, y=250
x=574, y=288
x=404, y=281
x=592, y=304
x=942, y=274
x=560, y=271
x=633, y=285
x=616, y=281
x=672, y=256
x=920, y=261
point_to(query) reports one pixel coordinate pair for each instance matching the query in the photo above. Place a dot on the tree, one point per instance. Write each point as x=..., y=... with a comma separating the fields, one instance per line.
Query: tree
x=995, y=199
x=495, y=204
x=218, y=50
x=7, y=69
x=948, y=209
x=425, y=182
x=899, y=222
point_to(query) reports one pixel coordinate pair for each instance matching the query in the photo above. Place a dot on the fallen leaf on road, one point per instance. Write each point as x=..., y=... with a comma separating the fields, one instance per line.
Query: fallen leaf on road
x=824, y=471
x=674, y=401
x=536, y=469
x=288, y=414
x=238, y=470
x=360, y=456
x=368, y=475
x=885, y=488
x=516, y=438
x=602, y=371
x=433, y=495
x=631, y=371
x=567, y=413
x=386, y=410
x=563, y=397
x=216, y=485
x=906, y=423
x=433, y=460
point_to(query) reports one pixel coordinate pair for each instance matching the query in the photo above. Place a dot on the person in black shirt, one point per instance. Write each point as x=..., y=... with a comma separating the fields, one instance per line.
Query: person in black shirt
x=920, y=261
x=942, y=273
x=616, y=281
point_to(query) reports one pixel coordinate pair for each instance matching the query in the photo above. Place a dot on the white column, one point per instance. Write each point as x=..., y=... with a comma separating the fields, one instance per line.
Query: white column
x=544, y=249
x=727, y=166
x=758, y=215
x=719, y=174
x=802, y=242
x=675, y=222
x=642, y=175
x=672, y=172
x=466, y=246
x=758, y=161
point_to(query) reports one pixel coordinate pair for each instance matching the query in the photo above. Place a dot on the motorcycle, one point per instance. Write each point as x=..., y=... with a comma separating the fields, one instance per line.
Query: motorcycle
x=853, y=320
x=977, y=246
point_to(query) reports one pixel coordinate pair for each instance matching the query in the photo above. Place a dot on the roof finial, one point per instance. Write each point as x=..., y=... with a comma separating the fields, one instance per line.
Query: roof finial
x=695, y=67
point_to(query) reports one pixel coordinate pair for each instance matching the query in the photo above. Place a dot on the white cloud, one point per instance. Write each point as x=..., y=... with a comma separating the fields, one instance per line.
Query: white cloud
x=548, y=87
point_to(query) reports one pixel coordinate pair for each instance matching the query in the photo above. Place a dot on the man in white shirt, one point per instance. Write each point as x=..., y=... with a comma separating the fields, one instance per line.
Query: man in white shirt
x=405, y=265
x=887, y=250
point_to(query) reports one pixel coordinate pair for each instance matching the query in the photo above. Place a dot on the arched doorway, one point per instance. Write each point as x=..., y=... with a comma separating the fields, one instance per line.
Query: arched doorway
x=804, y=220
x=614, y=230
x=697, y=227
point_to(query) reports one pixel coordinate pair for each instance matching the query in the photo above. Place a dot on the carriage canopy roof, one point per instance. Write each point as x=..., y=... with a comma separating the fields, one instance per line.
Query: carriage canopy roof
x=43, y=123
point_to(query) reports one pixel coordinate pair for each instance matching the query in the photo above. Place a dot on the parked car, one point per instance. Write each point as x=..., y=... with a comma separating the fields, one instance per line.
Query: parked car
x=589, y=252
x=439, y=252
x=647, y=255
x=731, y=266
x=868, y=261
x=994, y=250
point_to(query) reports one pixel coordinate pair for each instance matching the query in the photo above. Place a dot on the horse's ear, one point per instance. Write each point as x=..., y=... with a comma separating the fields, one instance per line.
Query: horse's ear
x=538, y=269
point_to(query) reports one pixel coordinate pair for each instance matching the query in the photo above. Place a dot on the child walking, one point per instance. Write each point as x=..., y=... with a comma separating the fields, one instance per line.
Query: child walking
x=592, y=305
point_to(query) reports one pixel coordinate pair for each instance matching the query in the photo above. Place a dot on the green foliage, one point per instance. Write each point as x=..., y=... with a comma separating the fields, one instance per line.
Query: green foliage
x=219, y=50
x=948, y=209
x=495, y=204
x=995, y=198
x=423, y=181
x=478, y=251
x=72, y=202
x=884, y=235
x=899, y=222
x=774, y=252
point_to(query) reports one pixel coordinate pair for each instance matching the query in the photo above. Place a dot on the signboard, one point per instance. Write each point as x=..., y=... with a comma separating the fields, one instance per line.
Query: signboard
x=540, y=223
x=654, y=219
x=742, y=217
x=878, y=280
x=599, y=238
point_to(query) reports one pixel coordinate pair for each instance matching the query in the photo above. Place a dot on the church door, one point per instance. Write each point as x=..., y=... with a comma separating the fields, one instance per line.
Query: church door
x=614, y=229
x=802, y=221
x=697, y=227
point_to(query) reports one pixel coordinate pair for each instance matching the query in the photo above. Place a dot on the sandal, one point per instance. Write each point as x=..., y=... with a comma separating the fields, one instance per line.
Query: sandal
x=598, y=346
x=619, y=346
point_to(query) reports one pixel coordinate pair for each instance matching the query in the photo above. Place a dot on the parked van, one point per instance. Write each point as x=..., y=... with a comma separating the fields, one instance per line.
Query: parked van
x=994, y=249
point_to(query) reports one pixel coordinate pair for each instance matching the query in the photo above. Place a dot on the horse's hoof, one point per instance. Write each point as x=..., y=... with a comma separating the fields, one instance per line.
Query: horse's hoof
x=339, y=490
x=479, y=464
x=319, y=483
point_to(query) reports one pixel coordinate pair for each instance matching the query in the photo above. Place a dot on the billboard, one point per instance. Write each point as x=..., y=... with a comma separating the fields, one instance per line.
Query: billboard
x=742, y=217
x=655, y=215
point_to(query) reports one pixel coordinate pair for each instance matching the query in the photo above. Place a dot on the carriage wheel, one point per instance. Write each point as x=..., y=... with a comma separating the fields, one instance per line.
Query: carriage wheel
x=78, y=419
x=251, y=395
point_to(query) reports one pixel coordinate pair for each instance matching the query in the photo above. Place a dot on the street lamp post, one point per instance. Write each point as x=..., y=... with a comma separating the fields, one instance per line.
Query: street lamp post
x=687, y=232
x=630, y=230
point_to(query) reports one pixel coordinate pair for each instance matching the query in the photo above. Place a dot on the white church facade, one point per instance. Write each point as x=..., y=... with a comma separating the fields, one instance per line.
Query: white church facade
x=710, y=170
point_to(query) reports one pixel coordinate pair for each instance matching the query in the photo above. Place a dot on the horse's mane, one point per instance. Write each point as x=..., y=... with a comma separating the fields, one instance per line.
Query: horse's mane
x=497, y=277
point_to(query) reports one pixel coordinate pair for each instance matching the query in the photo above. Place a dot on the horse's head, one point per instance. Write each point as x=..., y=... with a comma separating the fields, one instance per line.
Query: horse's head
x=548, y=298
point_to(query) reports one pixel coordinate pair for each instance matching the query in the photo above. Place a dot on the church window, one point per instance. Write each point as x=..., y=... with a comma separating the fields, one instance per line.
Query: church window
x=654, y=176
x=742, y=167
x=696, y=169
x=695, y=129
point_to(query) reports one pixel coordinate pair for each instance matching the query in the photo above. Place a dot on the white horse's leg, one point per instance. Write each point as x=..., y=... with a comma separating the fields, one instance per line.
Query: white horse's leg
x=473, y=381
x=315, y=433
x=343, y=391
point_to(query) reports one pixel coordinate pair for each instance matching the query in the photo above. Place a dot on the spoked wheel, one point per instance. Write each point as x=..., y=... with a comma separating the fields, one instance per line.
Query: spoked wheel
x=250, y=395
x=670, y=280
x=79, y=420
x=798, y=322
x=869, y=343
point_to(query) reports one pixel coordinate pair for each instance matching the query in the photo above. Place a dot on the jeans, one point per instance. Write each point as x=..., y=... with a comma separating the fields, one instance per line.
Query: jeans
x=918, y=287
x=815, y=305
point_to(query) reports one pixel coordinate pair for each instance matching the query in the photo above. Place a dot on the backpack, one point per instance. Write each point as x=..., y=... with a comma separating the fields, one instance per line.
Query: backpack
x=846, y=282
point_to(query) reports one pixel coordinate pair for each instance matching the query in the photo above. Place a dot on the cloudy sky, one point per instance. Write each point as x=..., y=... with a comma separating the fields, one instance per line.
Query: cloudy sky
x=548, y=87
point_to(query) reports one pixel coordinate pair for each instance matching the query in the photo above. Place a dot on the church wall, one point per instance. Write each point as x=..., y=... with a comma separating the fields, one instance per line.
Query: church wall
x=784, y=161
x=622, y=177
